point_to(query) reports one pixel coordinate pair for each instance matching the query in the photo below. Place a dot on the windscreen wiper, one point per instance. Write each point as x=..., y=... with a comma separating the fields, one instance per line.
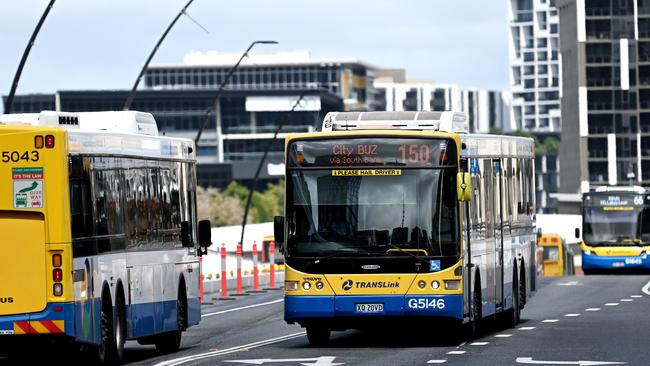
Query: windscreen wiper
x=407, y=252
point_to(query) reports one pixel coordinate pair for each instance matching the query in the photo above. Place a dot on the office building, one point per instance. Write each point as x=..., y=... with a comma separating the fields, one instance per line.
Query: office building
x=605, y=48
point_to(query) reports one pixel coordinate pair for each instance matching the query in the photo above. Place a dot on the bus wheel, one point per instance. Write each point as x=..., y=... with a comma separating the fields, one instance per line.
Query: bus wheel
x=513, y=315
x=171, y=341
x=318, y=336
x=120, y=328
x=522, y=286
x=107, y=350
x=472, y=328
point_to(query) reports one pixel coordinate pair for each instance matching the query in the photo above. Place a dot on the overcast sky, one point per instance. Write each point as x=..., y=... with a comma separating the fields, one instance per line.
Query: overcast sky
x=101, y=44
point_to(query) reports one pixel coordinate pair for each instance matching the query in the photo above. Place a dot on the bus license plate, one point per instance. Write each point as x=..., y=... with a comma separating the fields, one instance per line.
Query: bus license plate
x=618, y=264
x=370, y=308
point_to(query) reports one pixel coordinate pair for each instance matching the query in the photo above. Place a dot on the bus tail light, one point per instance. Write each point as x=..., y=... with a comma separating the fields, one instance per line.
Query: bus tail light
x=39, y=142
x=56, y=260
x=452, y=284
x=57, y=275
x=58, y=289
x=49, y=141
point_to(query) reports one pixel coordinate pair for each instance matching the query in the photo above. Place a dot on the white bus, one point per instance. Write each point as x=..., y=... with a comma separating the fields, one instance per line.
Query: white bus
x=102, y=214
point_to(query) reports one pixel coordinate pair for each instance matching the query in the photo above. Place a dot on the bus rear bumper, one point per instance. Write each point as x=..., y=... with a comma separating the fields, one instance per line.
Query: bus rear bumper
x=297, y=308
x=595, y=262
x=57, y=318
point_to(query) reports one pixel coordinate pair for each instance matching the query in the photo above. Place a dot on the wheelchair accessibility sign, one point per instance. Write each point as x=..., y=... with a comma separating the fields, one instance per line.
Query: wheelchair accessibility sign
x=434, y=265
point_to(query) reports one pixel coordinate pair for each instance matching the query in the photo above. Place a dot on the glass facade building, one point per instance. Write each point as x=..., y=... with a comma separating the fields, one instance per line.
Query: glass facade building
x=606, y=93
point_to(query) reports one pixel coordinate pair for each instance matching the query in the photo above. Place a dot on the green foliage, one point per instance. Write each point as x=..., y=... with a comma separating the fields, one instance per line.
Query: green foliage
x=227, y=207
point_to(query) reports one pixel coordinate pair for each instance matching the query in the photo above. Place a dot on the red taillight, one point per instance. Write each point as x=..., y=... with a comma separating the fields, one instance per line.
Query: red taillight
x=57, y=275
x=58, y=289
x=49, y=141
x=38, y=142
x=56, y=260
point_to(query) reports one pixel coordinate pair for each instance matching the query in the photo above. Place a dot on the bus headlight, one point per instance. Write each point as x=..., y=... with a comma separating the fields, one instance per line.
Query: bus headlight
x=452, y=284
x=306, y=285
x=422, y=284
x=319, y=285
x=291, y=285
x=586, y=252
x=435, y=285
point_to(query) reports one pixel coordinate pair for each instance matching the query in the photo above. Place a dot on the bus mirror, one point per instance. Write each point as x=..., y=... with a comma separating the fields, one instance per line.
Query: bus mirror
x=205, y=233
x=185, y=233
x=278, y=229
x=464, y=187
x=577, y=233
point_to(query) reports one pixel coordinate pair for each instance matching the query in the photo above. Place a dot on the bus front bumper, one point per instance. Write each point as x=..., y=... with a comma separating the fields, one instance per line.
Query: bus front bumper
x=591, y=261
x=57, y=318
x=318, y=307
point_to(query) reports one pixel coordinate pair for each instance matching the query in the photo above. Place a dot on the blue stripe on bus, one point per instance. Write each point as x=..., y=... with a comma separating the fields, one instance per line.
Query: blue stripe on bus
x=602, y=262
x=66, y=314
x=301, y=307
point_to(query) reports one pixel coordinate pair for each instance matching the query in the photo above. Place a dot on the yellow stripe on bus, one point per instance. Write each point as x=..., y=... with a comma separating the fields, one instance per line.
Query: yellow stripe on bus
x=363, y=172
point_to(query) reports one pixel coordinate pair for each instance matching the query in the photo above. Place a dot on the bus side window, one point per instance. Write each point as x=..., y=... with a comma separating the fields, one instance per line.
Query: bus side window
x=81, y=210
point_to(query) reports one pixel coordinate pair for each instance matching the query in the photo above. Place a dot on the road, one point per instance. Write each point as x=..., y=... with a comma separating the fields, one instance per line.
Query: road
x=593, y=320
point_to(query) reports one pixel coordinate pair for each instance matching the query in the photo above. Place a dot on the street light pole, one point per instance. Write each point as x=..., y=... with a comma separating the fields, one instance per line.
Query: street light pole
x=129, y=99
x=206, y=120
x=10, y=98
x=259, y=166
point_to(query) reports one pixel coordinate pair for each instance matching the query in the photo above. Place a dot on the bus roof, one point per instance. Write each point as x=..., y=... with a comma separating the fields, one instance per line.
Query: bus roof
x=127, y=133
x=110, y=121
x=478, y=145
x=447, y=121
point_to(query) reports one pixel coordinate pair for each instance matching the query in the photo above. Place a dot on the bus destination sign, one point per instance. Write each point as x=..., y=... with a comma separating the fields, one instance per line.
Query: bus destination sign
x=375, y=152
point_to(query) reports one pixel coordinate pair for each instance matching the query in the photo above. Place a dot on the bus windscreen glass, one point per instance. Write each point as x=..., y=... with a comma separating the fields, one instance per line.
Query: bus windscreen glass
x=615, y=219
x=362, y=211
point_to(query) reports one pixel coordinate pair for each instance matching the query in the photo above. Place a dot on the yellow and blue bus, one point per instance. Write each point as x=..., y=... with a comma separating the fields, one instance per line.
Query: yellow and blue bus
x=100, y=241
x=403, y=215
x=615, y=229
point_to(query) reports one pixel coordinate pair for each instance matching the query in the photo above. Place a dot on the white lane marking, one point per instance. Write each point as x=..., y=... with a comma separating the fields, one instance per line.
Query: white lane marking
x=636, y=296
x=570, y=283
x=503, y=335
x=320, y=361
x=592, y=309
x=571, y=315
x=200, y=356
x=462, y=344
x=436, y=361
x=627, y=300
x=611, y=304
x=646, y=288
x=550, y=321
x=530, y=361
x=527, y=328
x=242, y=308
x=480, y=343
x=456, y=352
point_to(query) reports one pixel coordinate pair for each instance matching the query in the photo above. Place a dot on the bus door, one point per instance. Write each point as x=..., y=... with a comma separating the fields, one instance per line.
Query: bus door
x=498, y=232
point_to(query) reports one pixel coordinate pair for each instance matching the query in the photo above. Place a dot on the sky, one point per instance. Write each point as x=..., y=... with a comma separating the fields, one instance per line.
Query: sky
x=102, y=44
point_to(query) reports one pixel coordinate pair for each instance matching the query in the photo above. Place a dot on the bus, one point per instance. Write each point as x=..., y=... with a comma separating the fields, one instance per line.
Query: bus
x=615, y=229
x=100, y=237
x=405, y=216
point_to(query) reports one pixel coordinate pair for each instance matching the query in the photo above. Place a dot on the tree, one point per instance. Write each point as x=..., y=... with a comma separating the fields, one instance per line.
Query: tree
x=219, y=208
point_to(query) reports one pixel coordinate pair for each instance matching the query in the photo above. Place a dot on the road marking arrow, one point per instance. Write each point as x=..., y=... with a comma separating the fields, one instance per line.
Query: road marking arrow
x=530, y=361
x=315, y=361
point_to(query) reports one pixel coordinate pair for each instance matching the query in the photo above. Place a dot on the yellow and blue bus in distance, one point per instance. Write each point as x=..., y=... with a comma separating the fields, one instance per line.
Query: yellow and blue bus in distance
x=403, y=215
x=100, y=239
x=615, y=229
